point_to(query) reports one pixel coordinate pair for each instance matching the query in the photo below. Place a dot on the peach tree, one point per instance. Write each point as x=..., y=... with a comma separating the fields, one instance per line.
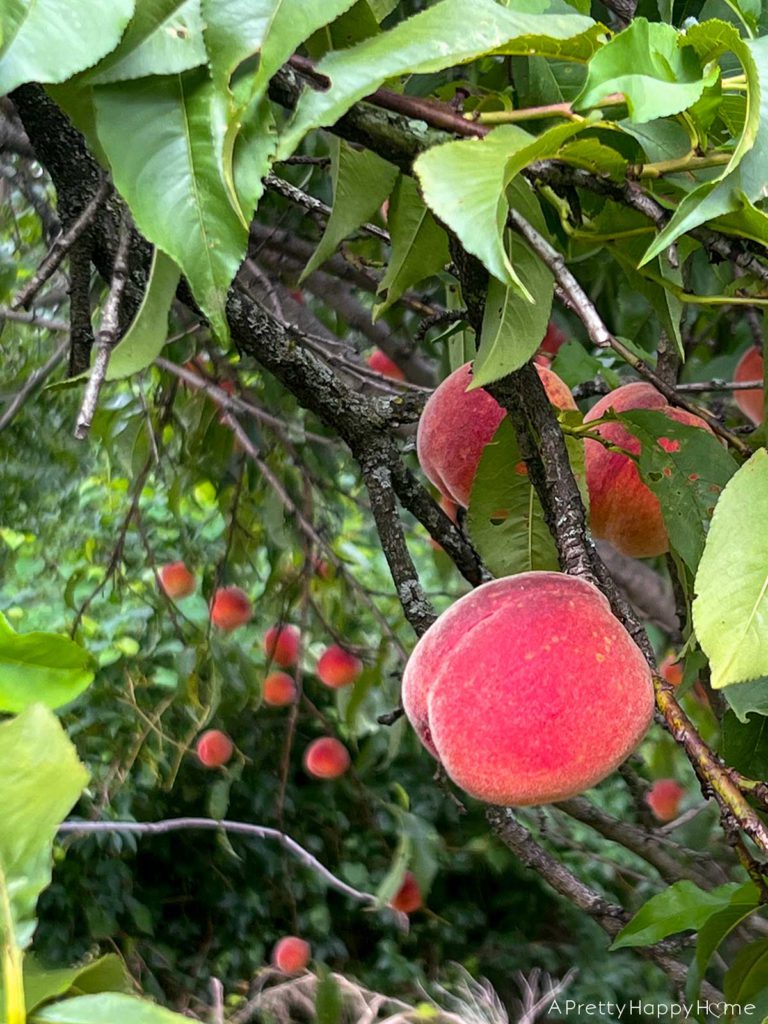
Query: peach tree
x=242, y=244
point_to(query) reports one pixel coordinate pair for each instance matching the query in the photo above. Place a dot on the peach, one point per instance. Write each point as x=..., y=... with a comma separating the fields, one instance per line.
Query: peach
x=337, y=667
x=326, y=758
x=664, y=799
x=457, y=424
x=408, y=896
x=553, y=339
x=750, y=367
x=291, y=954
x=279, y=689
x=281, y=645
x=622, y=509
x=671, y=669
x=381, y=363
x=528, y=689
x=176, y=580
x=231, y=608
x=214, y=748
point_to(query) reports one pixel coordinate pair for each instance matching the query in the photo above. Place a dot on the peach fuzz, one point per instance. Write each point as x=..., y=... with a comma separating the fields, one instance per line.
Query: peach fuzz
x=291, y=954
x=664, y=799
x=231, y=608
x=622, y=509
x=214, y=748
x=528, y=689
x=337, y=667
x=381, y=363
x=326, y=758
x=750, y=367
x=457, y=424
x=279, y=689
x=281, y=645
x=176, y=580
x=408, y=896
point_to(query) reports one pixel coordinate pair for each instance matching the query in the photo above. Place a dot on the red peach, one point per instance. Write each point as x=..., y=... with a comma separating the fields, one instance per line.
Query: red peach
x=553, y=339
x=279, y=689
x=671, y=669
x=457, y=424
x=750, y=367
x=281, y=645
x=664, y=799
x=337, y=667
x=326, y=758
x=231, y=608
x=381, y=363
x=528, y=689
x=291, y=954
x=176, y=580
x=214, y=748
x=408, y=896
x=622, y=509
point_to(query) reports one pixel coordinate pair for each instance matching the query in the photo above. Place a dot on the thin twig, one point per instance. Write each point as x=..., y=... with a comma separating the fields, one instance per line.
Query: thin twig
x=107, y=336
x=60, y=248
x=153, y=828
x=32, y=383
x=301, y=198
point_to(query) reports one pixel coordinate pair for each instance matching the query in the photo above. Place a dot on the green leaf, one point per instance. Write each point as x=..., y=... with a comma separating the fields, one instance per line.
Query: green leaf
x=157, y=135
x=42, y=779
x=165, y=37
x=145, y=338
x=361, y=183
x=744, y=176
x=745, y=698
x=686, y=468
x=730, y=611
x=575, y=365
x=681, y=907
x=41, y=985
x=746, y=977
x=329, y=1002
x=440, y=37
x=465, y=184
x=505, y=519
x=109, y=1006
x=273, y=29
x=40, y=668
x=744, y=746
x=419, y=244
x=83, y=34
x=715, y=930
x=650, y=64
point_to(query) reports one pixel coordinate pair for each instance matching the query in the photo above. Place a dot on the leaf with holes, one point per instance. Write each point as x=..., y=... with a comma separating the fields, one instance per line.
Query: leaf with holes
x=686, y=468
x=730, y=611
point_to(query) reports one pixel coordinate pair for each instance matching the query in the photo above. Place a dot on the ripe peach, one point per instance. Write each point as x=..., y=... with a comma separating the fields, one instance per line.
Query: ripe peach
x=622, y=509
x=214, y=748
x=326, y=758
x=457, y=424
x=671, y=669
x=664, y=799
x=553, y=339
x=408, y=896
x=381, y=363
x=337, y=667
x=176, y=580
x=291, y=954
x=281, y=645
x=750, y=367
x=279, y=689
x=231, y=608
x=528, y=689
